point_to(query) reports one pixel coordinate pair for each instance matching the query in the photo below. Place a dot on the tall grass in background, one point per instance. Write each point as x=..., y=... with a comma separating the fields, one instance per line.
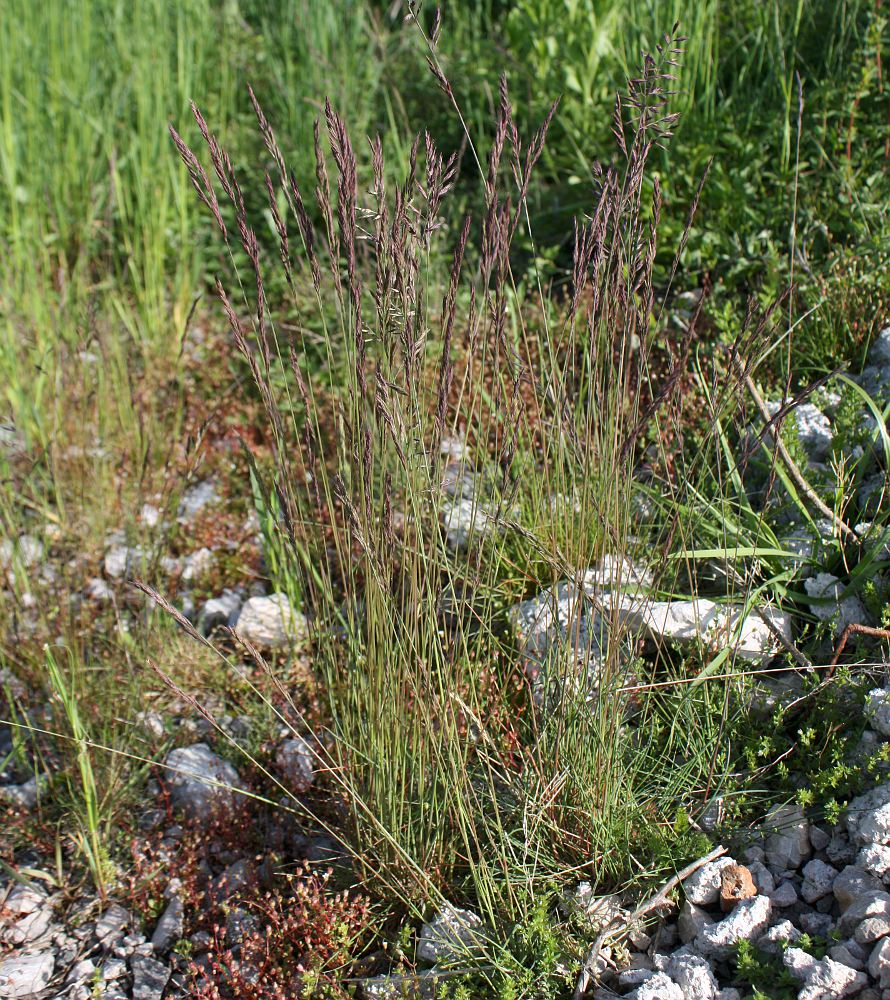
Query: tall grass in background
x=97, y=224
x=741, y=60
x=448, y=778
x=98, y=231
x=88, y=192
x=96, y=219
x=786, y=188
x=341, y=50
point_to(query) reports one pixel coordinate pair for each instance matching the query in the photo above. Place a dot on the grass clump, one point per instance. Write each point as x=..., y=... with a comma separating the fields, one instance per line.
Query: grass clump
x=467, y=441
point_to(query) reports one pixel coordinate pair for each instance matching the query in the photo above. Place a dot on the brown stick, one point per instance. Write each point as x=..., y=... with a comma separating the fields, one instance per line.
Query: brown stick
x=653, y=902
x=854, y=628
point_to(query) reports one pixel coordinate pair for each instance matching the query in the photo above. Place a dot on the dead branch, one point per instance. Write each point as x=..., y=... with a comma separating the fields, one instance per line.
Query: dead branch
x=616, y=927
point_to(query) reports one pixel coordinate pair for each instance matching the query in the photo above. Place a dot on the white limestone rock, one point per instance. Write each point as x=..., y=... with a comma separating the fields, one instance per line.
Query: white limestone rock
x=875, y=904
x=703, y=621
x=81, y=971
x=816, y=924
x=198, y=564
x=849, y=953
x=842, y=612
x=195, y=499
x=872, y=929
x=803, y=543
x=29, y=915
x=564, y=620
x=560, y=621
x=616, y=573
x=123, y=561
x=453, y=935
x=464, y=520
x=658, y=987
x=775, y=940
x=422, y=986
x=877, y=710
x=295, y=760
x=110, y=927
x=822, y=979
x=630, y=978
x=466, y=513
x=879, y=352
x=98, y=590
x=812, y=426
x=691, y=920
x=784, y=895
x=818, y=879
x=26, y=975
x=874, y=826
x=819, y=839
x=863, y=807
x=12, y=442
x=787, y=843
x=875, y=377
x=596, y=911
x=763, y=878
x=149, y=515
x=25, y=552
x=149, y=977
x=745, y=922
x=169, y=927
x=813, y=431
x=702, y=888
x=25, y=795
x=219, y=611
x=879, y=963
x=200, y=781
x=852, y=883
x=772, y=692
x=875, y=859
x=270, y=623
x=694, y=975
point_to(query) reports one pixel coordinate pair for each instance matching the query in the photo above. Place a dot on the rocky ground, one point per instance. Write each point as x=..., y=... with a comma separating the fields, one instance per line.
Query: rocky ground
x=800, y=902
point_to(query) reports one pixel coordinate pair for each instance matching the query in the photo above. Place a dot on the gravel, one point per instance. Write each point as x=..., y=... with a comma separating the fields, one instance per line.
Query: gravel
x=200, y=781
x=26, y=975
x=169, y=927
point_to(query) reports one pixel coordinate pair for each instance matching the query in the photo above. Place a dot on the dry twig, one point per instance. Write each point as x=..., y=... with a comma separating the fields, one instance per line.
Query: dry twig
x=653, y=902
x=854, y=628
